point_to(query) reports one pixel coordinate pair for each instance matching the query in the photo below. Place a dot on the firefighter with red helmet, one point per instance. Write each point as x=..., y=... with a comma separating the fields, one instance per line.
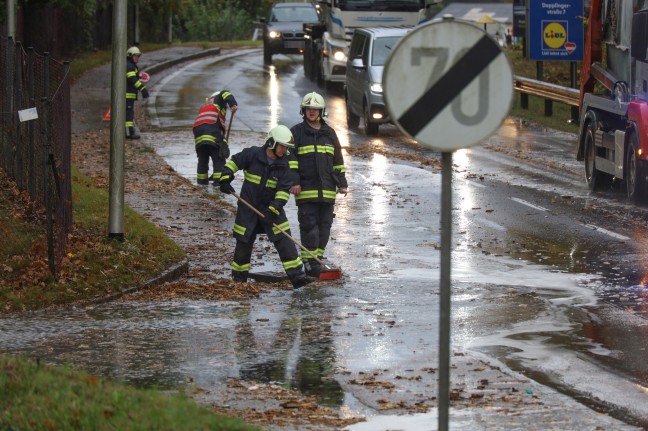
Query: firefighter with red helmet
x=319, y=164
x=266, y=184
x=134, y=84
x=209, y=135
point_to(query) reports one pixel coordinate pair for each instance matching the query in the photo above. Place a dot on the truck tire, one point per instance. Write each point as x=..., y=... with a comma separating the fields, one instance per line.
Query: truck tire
x=596, y=180
x=633, y=173
x=371, y=129
x=353, y=121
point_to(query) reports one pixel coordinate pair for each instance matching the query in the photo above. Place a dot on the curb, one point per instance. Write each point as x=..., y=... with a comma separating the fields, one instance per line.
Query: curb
x=167, y=64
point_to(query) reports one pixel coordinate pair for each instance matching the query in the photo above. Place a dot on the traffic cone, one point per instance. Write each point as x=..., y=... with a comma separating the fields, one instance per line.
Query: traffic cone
x=106, y=116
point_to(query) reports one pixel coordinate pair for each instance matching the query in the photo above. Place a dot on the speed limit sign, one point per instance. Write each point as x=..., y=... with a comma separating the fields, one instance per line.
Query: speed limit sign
x=448, y=85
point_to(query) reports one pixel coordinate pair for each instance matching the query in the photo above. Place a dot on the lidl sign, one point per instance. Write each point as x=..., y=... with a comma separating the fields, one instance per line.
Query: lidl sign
x=555, y=30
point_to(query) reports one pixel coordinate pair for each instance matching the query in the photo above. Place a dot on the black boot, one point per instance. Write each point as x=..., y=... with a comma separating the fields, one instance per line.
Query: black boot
x=131, y=133
x=303, y=281
x=313, y=268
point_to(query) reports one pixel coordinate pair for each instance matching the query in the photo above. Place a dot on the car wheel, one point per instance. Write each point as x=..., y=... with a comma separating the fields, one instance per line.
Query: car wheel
x=353, y=121
x=369, y=127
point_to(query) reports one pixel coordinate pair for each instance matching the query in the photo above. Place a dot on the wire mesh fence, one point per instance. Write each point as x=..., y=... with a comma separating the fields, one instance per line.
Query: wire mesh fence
x=35, y=136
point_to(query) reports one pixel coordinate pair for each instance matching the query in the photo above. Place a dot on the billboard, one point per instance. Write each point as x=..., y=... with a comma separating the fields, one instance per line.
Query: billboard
x=555, y=30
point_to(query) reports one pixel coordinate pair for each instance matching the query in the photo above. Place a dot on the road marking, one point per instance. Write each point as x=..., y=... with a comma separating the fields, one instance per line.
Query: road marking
x=607, y=232
x=529, y=204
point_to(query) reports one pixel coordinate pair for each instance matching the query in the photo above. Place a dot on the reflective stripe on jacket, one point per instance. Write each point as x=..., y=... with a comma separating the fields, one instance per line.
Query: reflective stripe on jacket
x=209, y=125
x=264, y=184
x=133, y=83
x=318, y=161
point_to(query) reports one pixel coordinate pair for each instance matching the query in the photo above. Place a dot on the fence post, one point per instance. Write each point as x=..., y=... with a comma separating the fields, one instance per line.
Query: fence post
x=49, y=204
x=30, y=124
x=19, y=150
x=573, y=75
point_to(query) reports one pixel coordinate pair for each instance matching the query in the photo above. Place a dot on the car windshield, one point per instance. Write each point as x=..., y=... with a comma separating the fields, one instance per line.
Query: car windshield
x=381, y=48
x=381, y=5
x=294, y=14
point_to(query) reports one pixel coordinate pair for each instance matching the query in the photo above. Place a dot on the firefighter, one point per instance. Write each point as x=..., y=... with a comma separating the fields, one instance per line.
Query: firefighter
x=133, y=85
x=266, y=184
x=320, y=174
x=209, y=135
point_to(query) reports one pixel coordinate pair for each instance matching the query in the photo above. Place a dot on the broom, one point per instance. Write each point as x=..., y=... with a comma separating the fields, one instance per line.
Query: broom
x=326, y=273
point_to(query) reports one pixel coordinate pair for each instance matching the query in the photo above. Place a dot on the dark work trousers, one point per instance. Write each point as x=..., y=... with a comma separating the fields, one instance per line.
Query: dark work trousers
x=315, y=221
x=287, y=253
x=205, y=152
x=130, y=117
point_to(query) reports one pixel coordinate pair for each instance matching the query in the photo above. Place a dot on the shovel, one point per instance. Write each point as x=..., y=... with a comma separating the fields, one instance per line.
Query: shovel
x=326, y=273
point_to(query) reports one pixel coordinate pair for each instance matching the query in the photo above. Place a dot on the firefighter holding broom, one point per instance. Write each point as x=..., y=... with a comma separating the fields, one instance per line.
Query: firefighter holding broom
x=265, y=191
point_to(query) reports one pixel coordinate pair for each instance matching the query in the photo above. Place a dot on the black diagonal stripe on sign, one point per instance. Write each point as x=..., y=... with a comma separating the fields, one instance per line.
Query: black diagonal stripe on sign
x=433, y=101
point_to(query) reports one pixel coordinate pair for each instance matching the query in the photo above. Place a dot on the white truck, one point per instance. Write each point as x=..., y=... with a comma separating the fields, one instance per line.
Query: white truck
x=327, y=43
x=613, y=137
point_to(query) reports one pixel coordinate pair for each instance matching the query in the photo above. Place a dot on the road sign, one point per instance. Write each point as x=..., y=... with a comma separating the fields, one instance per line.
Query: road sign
x=448, y=85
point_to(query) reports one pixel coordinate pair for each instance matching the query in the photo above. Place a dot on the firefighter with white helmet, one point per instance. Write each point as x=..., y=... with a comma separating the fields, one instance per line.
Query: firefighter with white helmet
x=133, y=85
x=266, y=185
x=210, y=135
x=320, y=175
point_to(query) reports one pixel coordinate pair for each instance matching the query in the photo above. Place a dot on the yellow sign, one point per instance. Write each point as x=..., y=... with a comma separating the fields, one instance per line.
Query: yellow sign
x=554, y=35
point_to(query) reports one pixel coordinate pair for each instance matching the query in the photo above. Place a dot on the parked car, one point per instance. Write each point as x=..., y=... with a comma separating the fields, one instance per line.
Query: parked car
x=370, y=47
x=283, y=31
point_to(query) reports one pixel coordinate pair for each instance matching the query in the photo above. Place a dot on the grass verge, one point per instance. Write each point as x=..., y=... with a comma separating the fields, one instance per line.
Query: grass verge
x=95, y=266
x=39, y=397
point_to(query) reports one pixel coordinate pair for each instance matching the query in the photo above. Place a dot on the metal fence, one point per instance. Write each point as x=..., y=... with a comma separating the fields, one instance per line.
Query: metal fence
x=35, y=153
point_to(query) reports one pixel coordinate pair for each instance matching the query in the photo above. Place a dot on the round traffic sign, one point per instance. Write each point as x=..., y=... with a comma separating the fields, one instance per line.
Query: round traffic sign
x=448, y=85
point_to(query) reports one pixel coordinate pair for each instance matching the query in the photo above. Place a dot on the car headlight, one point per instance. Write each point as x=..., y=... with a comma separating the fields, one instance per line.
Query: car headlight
x=274, y=34
x=339, y=55
x=376, y=87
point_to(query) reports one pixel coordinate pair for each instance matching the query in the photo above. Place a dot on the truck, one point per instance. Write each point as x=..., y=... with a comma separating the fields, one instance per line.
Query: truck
x=613, y=104
x=327, y=42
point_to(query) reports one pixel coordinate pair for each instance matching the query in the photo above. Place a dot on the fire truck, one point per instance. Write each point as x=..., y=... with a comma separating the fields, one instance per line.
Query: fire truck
x=613, y=135
x=327, y=44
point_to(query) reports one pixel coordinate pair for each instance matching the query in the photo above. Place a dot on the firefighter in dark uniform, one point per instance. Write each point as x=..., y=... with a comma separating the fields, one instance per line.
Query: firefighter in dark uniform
x=209, y=135
x=266, y=185
x=133, y=85
x=318, y=161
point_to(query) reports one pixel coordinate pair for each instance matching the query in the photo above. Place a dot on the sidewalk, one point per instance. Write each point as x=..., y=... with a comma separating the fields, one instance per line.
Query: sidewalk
x=485, y=393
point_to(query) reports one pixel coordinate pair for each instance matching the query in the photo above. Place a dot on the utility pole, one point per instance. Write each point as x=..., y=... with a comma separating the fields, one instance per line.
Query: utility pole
x=117, y=121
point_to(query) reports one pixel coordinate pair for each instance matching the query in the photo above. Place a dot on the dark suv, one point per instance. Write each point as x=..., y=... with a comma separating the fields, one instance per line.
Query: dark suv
x=283, y=31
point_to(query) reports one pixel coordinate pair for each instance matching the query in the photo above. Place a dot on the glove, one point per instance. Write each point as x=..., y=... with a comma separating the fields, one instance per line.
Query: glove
x=226, y=187
x=271, y=214
x=224, y=151
x=145, y=93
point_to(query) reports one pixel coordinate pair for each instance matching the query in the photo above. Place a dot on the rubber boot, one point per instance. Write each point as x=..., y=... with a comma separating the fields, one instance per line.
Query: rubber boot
x=302, y=281
x=131, y=133
x=313, y=268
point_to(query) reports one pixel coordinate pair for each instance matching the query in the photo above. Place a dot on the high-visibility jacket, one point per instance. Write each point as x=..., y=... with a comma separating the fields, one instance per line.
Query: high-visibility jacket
x=133, y=83
x=209, y=126
x=265, y=183
x=318, y=162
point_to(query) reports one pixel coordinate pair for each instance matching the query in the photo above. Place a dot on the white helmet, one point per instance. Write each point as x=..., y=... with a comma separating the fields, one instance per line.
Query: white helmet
x=280, y=135
x=314, y=101
x=133, y=50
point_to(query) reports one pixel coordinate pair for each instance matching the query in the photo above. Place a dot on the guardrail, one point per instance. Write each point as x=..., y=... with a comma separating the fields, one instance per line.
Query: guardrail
x=549, y=92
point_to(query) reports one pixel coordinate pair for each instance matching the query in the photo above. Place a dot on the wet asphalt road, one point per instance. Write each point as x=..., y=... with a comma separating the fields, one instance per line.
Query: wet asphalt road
x=534, y=254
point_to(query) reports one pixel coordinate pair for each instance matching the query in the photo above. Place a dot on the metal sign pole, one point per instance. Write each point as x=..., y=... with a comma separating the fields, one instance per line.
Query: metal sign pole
x=444, y=291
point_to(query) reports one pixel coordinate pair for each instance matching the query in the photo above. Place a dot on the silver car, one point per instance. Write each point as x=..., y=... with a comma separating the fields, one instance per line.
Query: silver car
x=370, y=47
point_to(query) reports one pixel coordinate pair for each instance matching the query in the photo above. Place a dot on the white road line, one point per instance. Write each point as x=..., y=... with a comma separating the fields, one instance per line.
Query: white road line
x=607, y=232
x=529, y=204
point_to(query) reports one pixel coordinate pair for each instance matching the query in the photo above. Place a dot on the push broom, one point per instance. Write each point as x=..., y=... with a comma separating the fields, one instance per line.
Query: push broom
x=326, y=273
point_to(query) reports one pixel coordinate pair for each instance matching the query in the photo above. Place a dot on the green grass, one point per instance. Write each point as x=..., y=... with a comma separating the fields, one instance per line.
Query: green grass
x=95, y=266
x=39, y=397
